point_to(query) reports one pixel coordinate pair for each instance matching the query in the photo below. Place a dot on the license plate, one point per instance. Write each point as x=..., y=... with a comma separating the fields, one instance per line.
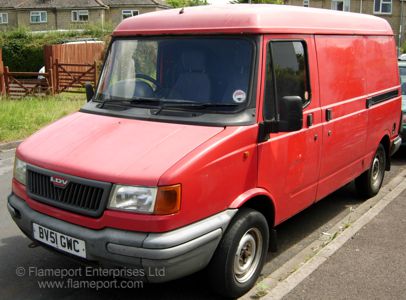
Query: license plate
x=59, y=240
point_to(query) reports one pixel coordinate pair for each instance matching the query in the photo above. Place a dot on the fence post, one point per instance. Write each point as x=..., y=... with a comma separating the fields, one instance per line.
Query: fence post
x=51, y=81
x=56, y=75
x=2, y=85
x=51, y=67
x=6, y=81
x=95, y=74
x=47, y=54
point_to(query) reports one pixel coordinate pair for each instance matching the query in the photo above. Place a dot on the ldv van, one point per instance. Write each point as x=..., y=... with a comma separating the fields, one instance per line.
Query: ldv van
x=210, y=126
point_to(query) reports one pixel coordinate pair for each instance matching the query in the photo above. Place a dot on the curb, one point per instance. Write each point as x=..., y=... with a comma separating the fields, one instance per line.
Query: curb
x=278, y=284
x=10, y=145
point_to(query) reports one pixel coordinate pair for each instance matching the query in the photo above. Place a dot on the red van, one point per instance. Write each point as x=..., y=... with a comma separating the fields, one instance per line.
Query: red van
x=210, y=126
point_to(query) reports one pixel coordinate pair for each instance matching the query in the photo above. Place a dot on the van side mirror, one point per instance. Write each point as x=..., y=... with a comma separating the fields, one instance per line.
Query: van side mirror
x=89, y=91
x=290, y=114
x=290, y=118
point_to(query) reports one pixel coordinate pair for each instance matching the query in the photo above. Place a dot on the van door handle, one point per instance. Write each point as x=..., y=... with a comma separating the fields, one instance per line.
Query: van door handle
x=369, y=102
x=329, y=114
x=309, y=120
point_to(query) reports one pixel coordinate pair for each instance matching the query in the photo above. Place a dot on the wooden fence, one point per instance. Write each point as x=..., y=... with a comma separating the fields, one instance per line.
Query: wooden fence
x=21, y=84
x=73, y=65
x=83, y=53
x=2, y=83
x=68, y=68
x=74, y=76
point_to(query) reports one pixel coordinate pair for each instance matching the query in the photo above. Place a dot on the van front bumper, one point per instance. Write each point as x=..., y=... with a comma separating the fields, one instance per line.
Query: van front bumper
x=179, y=252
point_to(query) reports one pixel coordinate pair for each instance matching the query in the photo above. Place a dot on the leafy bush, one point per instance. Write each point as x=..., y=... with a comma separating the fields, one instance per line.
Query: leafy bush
x=403, y=47
x=23, y=49
x=183, y=3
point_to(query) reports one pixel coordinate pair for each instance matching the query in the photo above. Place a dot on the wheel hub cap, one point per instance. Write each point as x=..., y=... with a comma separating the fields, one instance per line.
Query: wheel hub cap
x=248, y=255
x=377, y=169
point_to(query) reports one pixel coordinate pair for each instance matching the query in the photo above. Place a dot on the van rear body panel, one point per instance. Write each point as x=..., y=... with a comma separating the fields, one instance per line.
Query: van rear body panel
x=343, y=93
x=384, y=91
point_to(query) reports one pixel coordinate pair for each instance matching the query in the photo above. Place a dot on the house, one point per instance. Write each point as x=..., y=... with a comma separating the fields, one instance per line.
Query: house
x=391, y=10
x=70, y=14
x=121, y=9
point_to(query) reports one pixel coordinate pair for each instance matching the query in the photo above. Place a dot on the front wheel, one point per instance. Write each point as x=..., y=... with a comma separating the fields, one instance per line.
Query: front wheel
x=241, y=254
x=369, y=183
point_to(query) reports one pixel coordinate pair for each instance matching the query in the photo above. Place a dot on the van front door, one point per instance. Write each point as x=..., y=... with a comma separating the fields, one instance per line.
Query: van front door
x=289, y=162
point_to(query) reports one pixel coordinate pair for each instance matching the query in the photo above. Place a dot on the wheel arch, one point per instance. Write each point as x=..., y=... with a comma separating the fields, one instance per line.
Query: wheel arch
x=385, y=141
x=261, y=201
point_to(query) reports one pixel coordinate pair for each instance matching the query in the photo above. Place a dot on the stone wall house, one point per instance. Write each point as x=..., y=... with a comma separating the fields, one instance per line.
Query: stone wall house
x=121, y=9
x=8, y=14
x=391, y=10
x=39, y=15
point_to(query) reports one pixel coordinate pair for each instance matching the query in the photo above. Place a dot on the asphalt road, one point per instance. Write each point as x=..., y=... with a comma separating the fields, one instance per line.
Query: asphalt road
x=15, y=255
x=370, y=265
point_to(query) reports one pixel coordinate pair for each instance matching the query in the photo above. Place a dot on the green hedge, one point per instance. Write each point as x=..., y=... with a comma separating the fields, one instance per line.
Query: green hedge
x=23, y=49
x=403, y=47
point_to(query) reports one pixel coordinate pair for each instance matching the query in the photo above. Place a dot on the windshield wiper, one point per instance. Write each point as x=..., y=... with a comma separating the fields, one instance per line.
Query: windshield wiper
x=163, y=103
x=189, y=104
x=131, y=102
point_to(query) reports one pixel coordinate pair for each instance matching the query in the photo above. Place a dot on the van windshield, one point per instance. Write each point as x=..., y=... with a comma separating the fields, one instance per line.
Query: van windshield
x=205, y=74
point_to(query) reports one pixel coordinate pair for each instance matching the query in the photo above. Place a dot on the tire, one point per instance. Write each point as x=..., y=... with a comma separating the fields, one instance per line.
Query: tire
x=241, y=254
x=369, y=183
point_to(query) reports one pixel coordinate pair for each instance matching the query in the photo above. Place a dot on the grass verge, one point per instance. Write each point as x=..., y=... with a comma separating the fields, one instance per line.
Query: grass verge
x=21, y=118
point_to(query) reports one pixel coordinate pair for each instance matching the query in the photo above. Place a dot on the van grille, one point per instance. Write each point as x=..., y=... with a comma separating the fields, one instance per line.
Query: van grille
x=80, y=195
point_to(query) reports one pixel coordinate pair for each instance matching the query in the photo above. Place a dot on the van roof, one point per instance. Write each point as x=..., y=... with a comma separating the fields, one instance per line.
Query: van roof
x=252, y=19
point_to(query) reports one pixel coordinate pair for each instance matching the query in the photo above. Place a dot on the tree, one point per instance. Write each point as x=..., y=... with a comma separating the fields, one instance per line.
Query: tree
x=183, y=3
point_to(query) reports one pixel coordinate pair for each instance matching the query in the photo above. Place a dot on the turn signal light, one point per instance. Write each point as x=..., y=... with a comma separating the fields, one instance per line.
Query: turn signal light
x=168, y=200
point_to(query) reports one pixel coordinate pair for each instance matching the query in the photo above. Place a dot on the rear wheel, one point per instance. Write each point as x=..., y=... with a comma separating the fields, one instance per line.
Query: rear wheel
x=241, y=254
x=369, y=183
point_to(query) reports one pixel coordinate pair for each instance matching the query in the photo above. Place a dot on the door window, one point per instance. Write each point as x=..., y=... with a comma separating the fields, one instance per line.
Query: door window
x=286, y=75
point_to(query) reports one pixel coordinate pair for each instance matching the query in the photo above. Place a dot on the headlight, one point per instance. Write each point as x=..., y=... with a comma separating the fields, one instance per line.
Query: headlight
x=20, y=171
x=136, y=198
x=147, y=200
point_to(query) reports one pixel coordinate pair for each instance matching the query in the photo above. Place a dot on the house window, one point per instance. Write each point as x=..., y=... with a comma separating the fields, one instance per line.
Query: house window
x=3, y=18
x=129, y=13
x=383, y=7
x=343, y=5
x=39, y=17
x=306, y=3
x=80, y=15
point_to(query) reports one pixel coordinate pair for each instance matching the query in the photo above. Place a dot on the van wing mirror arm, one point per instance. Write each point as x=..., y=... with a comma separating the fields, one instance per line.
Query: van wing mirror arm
x=89, y=92
x=289, y=118
x=265, y=128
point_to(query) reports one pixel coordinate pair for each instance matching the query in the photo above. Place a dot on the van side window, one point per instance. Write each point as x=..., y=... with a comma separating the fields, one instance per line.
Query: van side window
x=286, y=74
